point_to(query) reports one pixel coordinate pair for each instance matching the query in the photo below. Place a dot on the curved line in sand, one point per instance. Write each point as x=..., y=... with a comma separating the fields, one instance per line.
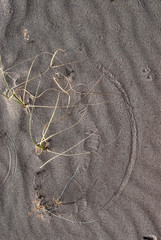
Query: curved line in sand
x=133, y=141
x=12, y=163
x=133, y=154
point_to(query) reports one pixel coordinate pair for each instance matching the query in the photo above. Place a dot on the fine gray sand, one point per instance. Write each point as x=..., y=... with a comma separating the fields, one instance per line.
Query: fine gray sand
x=80, y=122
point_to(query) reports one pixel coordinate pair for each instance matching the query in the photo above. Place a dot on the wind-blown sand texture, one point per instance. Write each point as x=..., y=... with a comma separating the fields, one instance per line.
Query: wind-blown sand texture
x=80, y=154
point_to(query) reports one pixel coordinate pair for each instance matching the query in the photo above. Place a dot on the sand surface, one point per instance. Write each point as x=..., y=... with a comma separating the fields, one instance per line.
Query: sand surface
x=94, y=107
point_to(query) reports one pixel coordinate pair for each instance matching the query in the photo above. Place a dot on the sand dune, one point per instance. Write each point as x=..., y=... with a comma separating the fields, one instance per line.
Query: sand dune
x=80, y=120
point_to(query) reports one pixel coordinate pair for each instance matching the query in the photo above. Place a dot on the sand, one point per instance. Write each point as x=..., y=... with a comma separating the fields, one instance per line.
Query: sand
x=97, y=174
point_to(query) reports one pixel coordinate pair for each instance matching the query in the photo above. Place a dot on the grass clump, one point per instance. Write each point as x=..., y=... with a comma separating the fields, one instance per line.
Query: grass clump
x=58, y=89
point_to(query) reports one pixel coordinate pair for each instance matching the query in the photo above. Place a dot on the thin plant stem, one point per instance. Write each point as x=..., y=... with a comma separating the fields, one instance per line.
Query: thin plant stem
x=62, y=90
x=54, y=55
x=71, y=221
x=48, y=125
x=69, y=155
x=4, y=79
x=31, y=114
x=66, y=185
x=64, y=106
x=67, y=149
